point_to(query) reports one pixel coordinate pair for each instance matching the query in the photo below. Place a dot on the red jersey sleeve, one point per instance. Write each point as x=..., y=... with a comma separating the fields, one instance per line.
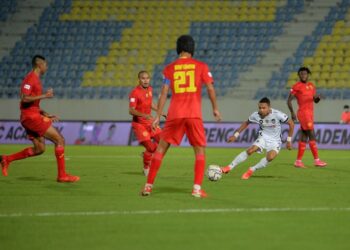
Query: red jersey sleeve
x=28, y=86
x=294, y=89
x=133, y=99
x=206, y=75
x=166, y=76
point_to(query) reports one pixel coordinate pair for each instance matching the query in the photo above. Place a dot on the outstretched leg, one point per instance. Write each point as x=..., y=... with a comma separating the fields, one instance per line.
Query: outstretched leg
x=240, y=158
x=261, y=164
x=37, y=149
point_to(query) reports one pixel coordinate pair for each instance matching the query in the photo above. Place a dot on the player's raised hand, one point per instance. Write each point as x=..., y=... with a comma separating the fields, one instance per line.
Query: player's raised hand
x=49, y=93
x=217, y=115
x=289, y=145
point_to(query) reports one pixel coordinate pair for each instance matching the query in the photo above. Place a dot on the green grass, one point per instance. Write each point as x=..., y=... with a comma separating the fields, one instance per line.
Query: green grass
x=111, y=180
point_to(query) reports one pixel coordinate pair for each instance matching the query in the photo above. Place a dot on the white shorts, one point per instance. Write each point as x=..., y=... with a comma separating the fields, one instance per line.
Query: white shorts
x=268, y=145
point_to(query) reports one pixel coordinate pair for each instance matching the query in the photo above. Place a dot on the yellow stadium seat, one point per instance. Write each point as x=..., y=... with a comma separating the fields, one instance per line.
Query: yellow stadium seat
x=315, y=68
x=324, y=75
x=321, y=83
x=336, y=68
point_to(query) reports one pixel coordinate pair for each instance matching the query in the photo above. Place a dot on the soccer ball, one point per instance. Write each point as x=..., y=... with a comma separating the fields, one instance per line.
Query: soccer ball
x=214, y=173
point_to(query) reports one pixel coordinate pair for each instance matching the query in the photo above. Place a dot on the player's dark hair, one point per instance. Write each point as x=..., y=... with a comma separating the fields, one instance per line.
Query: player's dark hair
x=35, y=59
x=185, y=43
x=346, y=106
x=141, y=72
x=304, y=69
x=265, y=100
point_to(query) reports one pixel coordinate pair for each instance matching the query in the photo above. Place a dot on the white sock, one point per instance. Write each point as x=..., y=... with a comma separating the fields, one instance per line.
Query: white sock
x=261, y=164
x=239, y=158
x=196, y=187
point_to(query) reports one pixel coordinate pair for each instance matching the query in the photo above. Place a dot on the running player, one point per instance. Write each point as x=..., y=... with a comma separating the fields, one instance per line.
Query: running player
x=140, y=107
x=305, y=93
x=38, y=123
x=185, y=77
x=269, y=138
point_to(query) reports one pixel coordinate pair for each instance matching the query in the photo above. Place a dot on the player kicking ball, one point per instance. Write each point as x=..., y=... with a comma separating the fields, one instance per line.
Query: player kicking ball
x=269, y=138
x=38, y=123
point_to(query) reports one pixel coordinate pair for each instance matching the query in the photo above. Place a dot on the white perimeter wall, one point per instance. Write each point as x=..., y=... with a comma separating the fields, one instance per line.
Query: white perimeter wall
x=232, y=110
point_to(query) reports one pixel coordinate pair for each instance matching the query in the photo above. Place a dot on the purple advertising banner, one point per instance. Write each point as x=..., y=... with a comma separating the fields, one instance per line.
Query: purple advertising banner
x=80, y=133
x=329, y=136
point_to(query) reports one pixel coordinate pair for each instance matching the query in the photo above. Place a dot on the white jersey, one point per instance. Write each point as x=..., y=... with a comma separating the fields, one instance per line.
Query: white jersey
x=270, y=126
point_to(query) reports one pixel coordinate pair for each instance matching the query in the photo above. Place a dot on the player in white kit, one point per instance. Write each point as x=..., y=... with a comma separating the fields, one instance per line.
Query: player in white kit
x=269, y=138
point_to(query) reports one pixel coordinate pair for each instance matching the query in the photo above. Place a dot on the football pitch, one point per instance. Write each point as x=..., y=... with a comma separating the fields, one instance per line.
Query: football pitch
x=279, y=207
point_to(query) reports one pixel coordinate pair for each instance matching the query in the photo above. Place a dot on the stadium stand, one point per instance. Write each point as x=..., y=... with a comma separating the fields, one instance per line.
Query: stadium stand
x=96, y=48
x=7, y=8
x=326, y=52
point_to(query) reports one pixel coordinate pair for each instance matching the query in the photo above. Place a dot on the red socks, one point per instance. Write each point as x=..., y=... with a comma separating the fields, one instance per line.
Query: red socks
x=150, y=146
x=301, y=150
x=313, y=148
x=25, y=153
x=155, y=165
x=199, y=167
x=147, y=157
x=59, y=152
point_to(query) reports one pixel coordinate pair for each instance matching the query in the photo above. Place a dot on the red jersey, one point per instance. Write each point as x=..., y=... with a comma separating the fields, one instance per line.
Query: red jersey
x=141, y=100
x=31, y=86
x=345, y=117
x=304, y=92
x=185, y=77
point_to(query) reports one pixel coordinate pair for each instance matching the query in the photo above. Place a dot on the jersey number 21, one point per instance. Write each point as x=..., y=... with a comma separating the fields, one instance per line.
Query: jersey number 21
x=184, y=82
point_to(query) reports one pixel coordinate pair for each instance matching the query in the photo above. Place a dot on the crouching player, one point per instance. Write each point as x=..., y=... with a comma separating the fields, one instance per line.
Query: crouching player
x=269, y=138
x=140, y=107
x=38, y=123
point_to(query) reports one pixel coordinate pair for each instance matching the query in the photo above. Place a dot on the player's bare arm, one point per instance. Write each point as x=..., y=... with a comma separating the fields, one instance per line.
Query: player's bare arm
x=54, y=118
x=161, y=104
x=28, y=98
x=290, y=134
x=243, y=126
x=155, y=108
x=212, y=97
x=134, y=112
x=290, y=106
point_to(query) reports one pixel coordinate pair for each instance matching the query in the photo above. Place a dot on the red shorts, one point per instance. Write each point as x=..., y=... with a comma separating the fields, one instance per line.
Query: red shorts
x=144, y=132
x=174, y=131
x=306, y=120
x=35, y=124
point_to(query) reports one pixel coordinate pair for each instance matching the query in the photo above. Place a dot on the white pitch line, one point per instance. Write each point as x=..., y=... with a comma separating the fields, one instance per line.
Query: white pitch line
x=179, y=211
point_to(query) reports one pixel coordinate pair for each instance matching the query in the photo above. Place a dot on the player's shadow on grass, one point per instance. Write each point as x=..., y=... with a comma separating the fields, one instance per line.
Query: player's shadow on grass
x=30, y=178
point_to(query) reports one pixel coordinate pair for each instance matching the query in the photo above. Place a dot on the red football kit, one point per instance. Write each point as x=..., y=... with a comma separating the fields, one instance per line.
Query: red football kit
x=185, y=77
x=345, y=117
x=304, y=93
x=141, y=100
x=34, y=123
